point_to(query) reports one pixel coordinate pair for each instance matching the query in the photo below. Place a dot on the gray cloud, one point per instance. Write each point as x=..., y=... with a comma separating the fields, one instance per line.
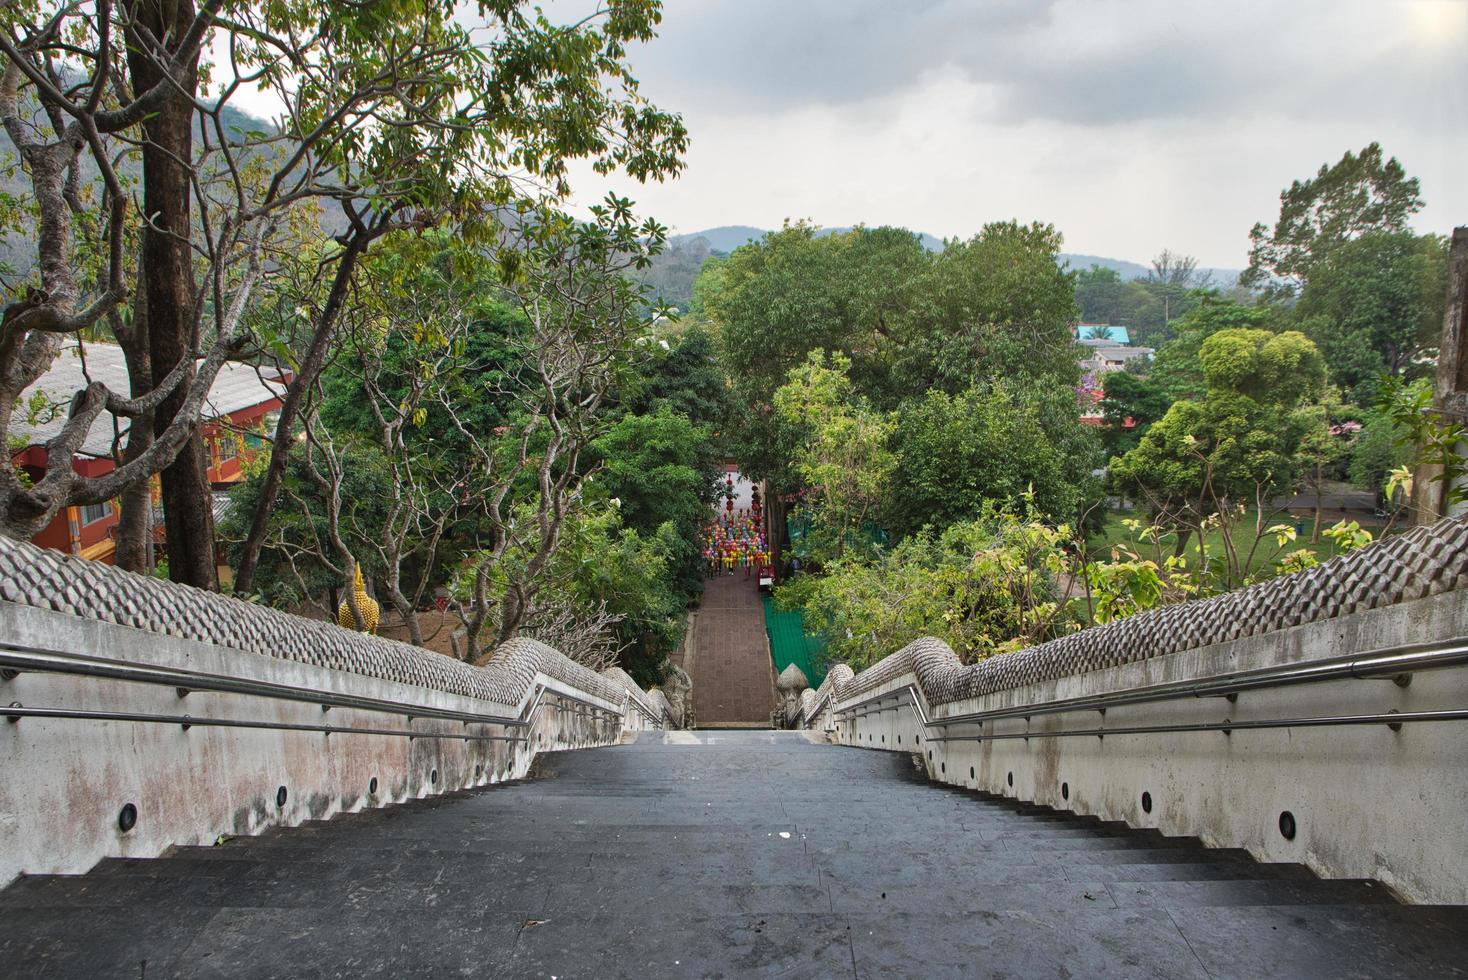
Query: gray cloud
x=1133, y=125
x=1091, y=62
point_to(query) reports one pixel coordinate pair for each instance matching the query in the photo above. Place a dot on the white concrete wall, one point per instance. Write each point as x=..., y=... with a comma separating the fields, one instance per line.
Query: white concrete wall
x=1367, y=801
x=63, y=783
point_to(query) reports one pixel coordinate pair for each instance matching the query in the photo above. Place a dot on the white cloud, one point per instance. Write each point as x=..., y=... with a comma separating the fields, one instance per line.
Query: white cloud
x=1131, y=126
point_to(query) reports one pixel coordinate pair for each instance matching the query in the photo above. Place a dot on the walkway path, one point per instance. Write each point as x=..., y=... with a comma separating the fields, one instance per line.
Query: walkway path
x=733, y=678
x=717, y=854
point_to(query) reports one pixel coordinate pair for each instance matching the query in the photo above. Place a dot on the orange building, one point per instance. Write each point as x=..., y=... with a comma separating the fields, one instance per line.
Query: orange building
x=241, y=404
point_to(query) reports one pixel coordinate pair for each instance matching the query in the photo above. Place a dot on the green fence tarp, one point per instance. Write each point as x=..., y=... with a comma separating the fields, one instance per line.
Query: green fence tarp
x=789, y=643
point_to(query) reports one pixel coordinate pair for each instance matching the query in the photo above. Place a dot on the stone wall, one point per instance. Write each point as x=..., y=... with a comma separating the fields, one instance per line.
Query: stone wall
x=68, y=781
x=1362, y=800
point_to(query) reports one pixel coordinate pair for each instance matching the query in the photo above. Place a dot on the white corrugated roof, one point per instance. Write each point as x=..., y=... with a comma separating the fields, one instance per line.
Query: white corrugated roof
x=236, y=387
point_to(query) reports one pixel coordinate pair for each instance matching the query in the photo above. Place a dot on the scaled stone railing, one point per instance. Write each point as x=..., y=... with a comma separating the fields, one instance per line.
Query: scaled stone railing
x=144, y=714
x=47, y=579
x=1420, y=562
x=1264, y=719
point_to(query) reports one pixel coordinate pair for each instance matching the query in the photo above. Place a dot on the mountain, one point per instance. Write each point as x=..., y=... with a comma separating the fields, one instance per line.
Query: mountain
x=1127, y=270
x=725, y=238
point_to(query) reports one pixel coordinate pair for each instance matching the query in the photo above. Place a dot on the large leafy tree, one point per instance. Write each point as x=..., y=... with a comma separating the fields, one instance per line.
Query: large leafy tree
x=842, y=450
x=683, y=375
x=661, y=469
x=1236, y=446
x=1131, y=400
x=997, y=306
x=1375, y=305
x=1000, y=443
x=1177, y=369
x=1359, y=194
x=775, y=301
x=394, y=118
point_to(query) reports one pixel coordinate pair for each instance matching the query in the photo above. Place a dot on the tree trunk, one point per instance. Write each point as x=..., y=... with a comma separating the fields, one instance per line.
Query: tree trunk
x=135, y=523
x=167, y=278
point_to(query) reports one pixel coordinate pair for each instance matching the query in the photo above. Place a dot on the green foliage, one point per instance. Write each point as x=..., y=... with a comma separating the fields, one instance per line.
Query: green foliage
x=843, y=453
x=293, y=563
x=1128, y=396
x=1177, y=369
x=1001, y=308
x=994, y=306
x=1382, y=447
x=983, y=587
x=1357, y=195
x=988, y=445
x=1274, y=369
x=1206, y=458
x=661, y=470
x=603, y=562
x=1432, y=438
x=1375, y=305
x=683, y=375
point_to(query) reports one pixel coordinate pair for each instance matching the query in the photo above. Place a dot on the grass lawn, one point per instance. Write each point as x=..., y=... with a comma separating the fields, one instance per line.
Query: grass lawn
x=1115, y=532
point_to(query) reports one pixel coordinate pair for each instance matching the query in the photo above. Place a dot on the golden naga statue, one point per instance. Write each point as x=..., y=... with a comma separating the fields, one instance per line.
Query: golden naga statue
x=365, y=604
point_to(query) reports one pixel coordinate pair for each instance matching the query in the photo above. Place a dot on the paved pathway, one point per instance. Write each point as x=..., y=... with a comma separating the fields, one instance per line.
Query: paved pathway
x=717, y=854
x=733, y=678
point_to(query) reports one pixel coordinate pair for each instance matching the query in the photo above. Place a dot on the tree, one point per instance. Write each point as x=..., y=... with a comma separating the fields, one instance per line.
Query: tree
x=1322, y=445
x=510, y=124
x=683, y=375
x=1375, y=305
x=1000, y=307
x=1130, y=399
x=394, y=117
x=1177, y=368
x=993, y=445
x=843, y=456
x=1171, y=268
x=793, y=292
x=583, y=319
x=661, y=469
x=1381, y=447
x=984, y=586
x=1357, y=195
x=1203, y=462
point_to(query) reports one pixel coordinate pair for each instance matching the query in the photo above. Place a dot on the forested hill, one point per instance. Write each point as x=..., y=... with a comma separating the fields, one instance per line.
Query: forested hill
x=17, y=251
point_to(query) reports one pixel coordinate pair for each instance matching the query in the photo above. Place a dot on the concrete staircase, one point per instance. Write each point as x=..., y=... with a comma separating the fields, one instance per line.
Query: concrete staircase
x=716, y=854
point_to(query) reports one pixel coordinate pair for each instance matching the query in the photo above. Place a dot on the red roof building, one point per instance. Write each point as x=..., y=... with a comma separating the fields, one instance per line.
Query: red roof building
x=241, y=407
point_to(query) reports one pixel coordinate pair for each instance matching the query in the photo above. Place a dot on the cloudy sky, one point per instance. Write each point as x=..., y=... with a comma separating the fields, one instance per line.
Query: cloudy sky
x=1132, y=125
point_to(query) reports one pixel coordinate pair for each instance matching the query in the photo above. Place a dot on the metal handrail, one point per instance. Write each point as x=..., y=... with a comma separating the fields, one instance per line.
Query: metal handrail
x=632, y=700
x=15, y=712
x=28, y=659
x=1392, y=662
x=19, y=658
x=1393, y=719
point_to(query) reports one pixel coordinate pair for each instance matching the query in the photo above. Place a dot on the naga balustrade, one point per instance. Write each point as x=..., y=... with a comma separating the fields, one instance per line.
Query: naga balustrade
x=143, y=714
x=1316, y=717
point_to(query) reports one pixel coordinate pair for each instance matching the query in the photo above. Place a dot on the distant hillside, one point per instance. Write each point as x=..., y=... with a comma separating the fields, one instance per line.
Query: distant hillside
x=1127, y=270
x=729, y=237
x=18, y=251
x=723, y=239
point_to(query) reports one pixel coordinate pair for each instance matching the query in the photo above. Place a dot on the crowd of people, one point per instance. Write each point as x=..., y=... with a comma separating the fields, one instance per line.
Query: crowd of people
x=735, y=539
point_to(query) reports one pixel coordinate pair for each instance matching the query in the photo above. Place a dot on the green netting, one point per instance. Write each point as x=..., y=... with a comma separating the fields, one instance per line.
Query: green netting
x=789, y=643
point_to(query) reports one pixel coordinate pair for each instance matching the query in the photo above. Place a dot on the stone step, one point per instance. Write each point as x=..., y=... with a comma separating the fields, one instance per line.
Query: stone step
x=779, y=858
